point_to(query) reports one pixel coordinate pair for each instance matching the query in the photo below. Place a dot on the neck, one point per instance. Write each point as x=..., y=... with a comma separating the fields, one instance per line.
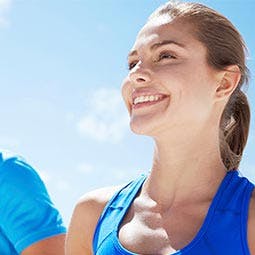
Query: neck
x=185, y=170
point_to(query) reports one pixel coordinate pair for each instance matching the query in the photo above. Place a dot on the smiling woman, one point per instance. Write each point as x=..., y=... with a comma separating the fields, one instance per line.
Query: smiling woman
x=184, y=89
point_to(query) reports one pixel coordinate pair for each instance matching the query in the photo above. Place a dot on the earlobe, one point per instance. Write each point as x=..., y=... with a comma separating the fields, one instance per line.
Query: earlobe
x=228, y=82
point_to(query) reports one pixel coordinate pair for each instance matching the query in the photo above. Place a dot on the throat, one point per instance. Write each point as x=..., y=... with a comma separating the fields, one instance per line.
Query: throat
x=181, y=189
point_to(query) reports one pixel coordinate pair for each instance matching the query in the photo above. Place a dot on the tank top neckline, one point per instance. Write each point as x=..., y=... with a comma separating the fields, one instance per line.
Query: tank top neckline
x=224, y=183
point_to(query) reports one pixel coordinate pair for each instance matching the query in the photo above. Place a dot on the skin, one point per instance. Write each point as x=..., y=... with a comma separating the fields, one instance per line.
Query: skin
x=49, y=246
x=173, y=202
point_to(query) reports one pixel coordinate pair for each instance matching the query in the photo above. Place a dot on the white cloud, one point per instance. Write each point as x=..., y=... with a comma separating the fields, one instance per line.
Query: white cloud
x=52, y=181
x=106, y=118
x=62, y=185
x=5, y=6
x=85, y=168
x=9, y=142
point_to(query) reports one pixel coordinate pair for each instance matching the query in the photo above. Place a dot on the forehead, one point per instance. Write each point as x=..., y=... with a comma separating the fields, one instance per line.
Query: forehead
x=163, y=28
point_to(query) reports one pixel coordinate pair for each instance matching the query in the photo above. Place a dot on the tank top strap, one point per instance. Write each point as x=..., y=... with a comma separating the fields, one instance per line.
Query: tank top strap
x=235, y=192
x=115, y=210
x=126, y=195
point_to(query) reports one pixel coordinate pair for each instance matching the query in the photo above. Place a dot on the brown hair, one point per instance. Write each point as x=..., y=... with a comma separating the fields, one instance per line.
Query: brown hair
x=225, y=47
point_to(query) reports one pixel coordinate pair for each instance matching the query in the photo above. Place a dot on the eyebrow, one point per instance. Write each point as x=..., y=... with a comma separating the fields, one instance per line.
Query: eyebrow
x=157, y=45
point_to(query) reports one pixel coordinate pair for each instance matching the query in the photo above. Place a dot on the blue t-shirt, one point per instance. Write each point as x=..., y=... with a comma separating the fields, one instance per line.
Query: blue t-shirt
x=27, y=215
x=223, y=232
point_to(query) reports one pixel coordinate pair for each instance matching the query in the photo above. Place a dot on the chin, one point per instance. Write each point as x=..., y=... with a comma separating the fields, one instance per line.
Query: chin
x=140, y=129
x=147, y=125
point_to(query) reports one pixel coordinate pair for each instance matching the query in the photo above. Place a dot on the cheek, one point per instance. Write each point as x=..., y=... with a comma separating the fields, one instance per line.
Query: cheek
x=126, y=91
x=190, y=92
x=197, y=94
x=197, y=103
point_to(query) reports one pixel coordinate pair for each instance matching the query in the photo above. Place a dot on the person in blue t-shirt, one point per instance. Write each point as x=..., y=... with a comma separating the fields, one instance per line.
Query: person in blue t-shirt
x=187, y=69
x=29, y=222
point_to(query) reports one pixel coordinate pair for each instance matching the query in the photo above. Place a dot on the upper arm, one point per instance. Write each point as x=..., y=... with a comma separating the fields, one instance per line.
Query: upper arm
x=251, y=225
x=84, y=220
x=80, y=229
x=50, y=246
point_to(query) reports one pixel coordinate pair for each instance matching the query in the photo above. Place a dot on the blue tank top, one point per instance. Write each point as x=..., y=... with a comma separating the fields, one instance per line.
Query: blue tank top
x=224, y=230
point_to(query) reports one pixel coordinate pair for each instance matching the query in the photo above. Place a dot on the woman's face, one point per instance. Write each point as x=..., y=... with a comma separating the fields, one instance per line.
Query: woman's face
x=169, y=86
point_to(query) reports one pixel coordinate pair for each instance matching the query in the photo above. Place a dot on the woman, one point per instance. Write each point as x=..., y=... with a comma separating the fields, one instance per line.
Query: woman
x=187, y=69
x=29, y=222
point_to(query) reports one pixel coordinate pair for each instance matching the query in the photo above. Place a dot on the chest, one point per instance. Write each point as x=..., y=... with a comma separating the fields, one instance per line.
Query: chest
x=150, y=232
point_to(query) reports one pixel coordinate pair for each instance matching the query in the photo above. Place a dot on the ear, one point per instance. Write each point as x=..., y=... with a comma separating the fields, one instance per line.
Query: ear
x=228, y=82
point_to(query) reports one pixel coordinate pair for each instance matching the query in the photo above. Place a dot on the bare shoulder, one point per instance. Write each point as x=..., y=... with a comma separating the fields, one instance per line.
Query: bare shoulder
x=91, y=204
x=84, y=219
x=97, y=199
x=251, y=224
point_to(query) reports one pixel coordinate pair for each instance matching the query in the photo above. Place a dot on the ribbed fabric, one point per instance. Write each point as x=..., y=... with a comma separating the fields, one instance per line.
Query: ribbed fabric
x=223, y=232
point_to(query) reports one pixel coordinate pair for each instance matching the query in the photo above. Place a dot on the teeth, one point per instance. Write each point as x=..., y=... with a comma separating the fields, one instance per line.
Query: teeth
x=143, y=99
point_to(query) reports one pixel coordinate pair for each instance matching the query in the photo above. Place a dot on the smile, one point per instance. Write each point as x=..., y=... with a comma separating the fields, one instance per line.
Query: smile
x=143, y=99
x=147, y=100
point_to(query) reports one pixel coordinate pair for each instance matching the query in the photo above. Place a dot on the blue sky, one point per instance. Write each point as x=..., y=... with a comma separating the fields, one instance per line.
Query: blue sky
x=61, y=67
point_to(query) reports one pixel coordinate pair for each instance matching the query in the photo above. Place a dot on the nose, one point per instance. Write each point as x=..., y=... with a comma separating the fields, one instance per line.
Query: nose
x=139, y=75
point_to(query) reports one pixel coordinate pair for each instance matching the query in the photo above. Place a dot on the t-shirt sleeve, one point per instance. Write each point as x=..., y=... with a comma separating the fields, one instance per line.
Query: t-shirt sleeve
x=27, y=214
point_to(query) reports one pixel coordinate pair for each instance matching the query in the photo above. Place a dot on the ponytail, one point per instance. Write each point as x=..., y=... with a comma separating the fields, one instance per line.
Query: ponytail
x=234, y=129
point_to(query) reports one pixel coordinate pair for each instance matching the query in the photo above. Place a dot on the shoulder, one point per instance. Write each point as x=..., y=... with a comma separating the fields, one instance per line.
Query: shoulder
x=12, y=164
x=84, y=219
x=17, y=175
x=251, y=224
x=91, y=204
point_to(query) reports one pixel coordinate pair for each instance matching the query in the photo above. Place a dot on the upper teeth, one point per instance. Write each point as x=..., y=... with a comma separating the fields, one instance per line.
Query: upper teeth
x=142, y=99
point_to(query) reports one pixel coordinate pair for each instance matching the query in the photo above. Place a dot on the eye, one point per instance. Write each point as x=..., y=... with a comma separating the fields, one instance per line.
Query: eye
x=165, y=55
x=132, y=65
